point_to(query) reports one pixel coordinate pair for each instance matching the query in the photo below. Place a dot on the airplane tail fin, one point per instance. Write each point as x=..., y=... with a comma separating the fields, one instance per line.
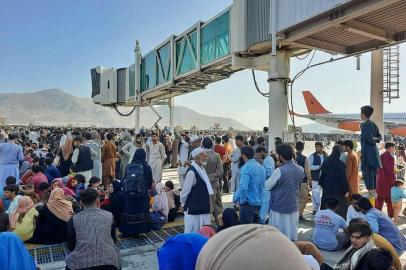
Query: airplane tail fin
x=313, y=105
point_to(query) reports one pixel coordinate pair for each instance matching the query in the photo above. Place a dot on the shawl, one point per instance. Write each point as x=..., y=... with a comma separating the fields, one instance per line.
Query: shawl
x=67, y=191
x=352, y=257
x=67, y=148
x=59, y=206
x=160, y=200
x=236, y=248
x=207, y=231
x=202, y=172
x=25, y=204
x=13, y=254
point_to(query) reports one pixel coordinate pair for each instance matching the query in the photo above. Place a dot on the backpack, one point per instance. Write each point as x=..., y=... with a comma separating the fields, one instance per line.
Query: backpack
x=134, y=184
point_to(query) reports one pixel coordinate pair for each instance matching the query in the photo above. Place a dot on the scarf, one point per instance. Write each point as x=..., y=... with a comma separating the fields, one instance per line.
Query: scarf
x=13, y=253
x=160, y=200
x=201, y=171
x=352, y=257
x=25, y=204
x=67, y=148
x=207, y=231
x=59, y=206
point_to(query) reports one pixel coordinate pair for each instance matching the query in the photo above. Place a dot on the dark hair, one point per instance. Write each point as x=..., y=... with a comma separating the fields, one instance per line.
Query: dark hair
x=398, y=182
x=251, y=142
x=319, y=144
x=109, y=136
x=48, y=161
x=364, y=204
x=349, y=143
x=88, y=196
x=332, y=202
x=260, y=140
x=37, y=168
x=94, y=180
x=218, y=140
x=247, y=151
x=360, y=225
x=80, y=178
x=207, y=143
x=239, y=137
x=11, y=180
x=12, y=136
x=170, y=185
x=375, y=259
x=285, y=150
x=299, y=146
x=389, y=145
x=88, y=136
x=265, y=129
x=43, y=186
x=367, y=110
x=260, y=149
x=78, y=138
x=355, y=197
x=226, y=138
x=11, y=188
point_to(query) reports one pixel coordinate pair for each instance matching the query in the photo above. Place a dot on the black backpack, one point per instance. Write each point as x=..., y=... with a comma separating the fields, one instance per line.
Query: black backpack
x=134, y=184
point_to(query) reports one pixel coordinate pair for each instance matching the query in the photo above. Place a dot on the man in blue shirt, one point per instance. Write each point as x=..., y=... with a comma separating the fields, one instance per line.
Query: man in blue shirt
x=327, y=226
x=249, y=194
x=382, y=224
x=51, y=170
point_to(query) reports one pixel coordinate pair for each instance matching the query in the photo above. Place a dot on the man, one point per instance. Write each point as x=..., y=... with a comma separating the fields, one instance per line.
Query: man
x=38, y=177
x=382, y=224
x=226, y=163
x=183, y=156
x=351, y=168
x=214, y=170
x=303, y=162
x=316, y=161
x=196, y=192
x=130, y=148
x=370, y=160
x=51, y=170
x=327, y=226
x=269, y=165
x=156, y=157
x=93, y=141
x=82, y=158
x=362, y=241
x=108, y=158
x=285, y=185
x=92, y=236
x=249, y=193
x=10, y=192
x=259, y=143
x=10, y=156
x=265, y=134
x=386, y=178
x=218, y=148
x=235, y=161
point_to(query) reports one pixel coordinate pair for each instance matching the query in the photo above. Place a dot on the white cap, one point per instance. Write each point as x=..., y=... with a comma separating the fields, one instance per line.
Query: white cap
x=197, y=152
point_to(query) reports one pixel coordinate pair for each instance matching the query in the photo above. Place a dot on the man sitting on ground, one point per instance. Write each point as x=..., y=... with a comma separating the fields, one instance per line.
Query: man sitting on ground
x=327, y=226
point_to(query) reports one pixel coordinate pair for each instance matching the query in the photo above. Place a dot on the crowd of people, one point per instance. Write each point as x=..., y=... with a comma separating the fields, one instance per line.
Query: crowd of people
x=82, y=186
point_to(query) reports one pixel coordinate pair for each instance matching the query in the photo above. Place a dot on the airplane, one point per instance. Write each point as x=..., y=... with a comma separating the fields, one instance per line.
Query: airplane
x=395, y=123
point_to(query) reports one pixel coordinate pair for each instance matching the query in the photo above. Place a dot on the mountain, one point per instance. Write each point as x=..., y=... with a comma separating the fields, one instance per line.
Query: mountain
x=55, y=107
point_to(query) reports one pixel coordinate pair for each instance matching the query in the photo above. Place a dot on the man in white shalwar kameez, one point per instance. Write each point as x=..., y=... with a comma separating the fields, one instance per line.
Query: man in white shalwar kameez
x=285, y=185
x=156, y=157
x=183, y=157
x=195, y=195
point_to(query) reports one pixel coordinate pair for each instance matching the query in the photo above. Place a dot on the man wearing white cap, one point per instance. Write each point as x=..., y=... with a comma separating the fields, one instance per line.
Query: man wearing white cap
x=195, y=195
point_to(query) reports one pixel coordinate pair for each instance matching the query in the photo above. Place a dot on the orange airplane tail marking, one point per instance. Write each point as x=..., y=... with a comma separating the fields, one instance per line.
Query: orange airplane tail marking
x=313, y=105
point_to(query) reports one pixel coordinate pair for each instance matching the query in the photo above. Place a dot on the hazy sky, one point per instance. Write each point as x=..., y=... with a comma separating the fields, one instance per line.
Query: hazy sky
x=54, y=43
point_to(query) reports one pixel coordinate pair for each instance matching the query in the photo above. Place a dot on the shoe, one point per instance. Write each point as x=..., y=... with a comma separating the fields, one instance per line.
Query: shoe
x=301, y=218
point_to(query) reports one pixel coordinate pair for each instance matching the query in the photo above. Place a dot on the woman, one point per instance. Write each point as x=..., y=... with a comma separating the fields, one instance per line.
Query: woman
x=65, y=154
x=229, y=218
x=13, y=254
x=22, y=220
x=235, y=249
x=160, y=207
x=58, y=183
x=333, y=180
x=134, y=211
x=52, y=219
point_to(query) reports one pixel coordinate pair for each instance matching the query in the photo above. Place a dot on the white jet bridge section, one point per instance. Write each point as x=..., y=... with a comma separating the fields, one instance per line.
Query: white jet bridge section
x=257, y=34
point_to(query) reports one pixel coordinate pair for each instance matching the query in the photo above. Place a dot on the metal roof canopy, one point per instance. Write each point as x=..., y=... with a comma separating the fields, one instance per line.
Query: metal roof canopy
x=350, y=28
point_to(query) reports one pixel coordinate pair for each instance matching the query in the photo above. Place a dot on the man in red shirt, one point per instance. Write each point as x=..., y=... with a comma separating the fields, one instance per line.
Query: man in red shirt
x=218, y=148
x=386, y=178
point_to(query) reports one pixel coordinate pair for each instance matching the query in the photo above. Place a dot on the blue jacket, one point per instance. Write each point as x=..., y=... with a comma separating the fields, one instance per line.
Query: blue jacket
x=252, y=179
x=51, y=173
x=369, y=137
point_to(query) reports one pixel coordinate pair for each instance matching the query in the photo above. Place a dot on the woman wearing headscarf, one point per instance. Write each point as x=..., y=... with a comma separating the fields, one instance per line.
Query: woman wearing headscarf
x=180, y=252
x=229, y=218
x=65, y=154
x=22, y=220
x=237, y=249
x=112, y=202
x=333, y=180
x=160, y=208
x=58, y=183
x=52, y=219
x=134, y=211
x=13, y=254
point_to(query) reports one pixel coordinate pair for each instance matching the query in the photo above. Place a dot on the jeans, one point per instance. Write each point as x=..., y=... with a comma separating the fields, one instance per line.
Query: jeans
x=249, y=214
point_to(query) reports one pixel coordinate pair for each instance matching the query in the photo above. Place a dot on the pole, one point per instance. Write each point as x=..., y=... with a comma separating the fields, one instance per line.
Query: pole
x=279, y=69
x=137, y=101
x=171, y=103
x=376, y=91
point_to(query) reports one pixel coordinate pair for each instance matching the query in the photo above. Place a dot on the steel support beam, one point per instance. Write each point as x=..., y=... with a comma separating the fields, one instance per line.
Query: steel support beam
x=318, y=44
x=367, y=30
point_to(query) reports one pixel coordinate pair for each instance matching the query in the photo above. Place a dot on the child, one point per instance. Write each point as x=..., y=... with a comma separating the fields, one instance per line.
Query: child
x=170, y=194
x=353, y=209
x=397, y=194
x=29, y=190
x=95, y=183
x=77, y=184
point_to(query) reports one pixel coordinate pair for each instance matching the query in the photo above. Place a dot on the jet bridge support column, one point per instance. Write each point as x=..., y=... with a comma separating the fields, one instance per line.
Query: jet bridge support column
x=376, y=91
x=138, y=57
x=278, y=73
x=171, y=103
